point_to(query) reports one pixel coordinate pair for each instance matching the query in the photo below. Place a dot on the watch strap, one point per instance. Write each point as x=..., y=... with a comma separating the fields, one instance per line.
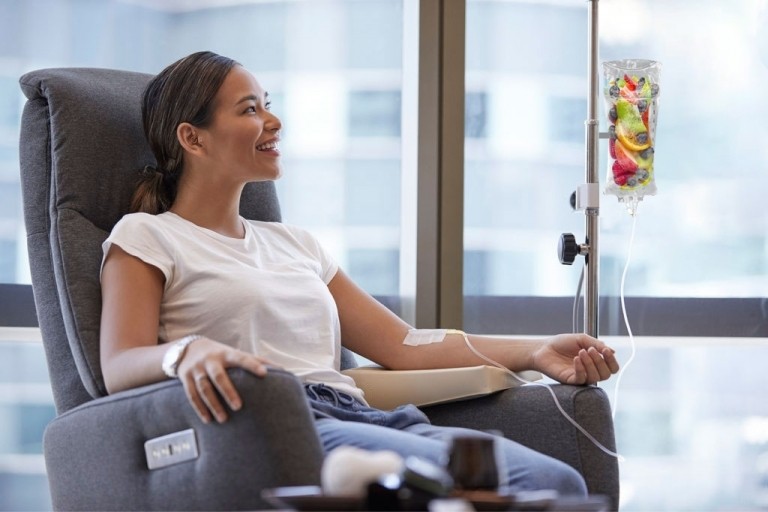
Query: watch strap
x=171, y=363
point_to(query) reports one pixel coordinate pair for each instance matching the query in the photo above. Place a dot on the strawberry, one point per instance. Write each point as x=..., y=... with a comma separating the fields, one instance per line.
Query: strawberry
x=612, y=148
x=631, y=84
x=645, y=118
x=620, y=176
x=624, y=159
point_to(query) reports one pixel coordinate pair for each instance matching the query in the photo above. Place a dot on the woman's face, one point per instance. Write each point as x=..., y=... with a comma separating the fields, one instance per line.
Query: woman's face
x=243, y=135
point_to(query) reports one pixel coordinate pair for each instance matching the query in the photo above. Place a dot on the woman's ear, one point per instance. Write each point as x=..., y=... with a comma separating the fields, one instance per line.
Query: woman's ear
x=188, y=137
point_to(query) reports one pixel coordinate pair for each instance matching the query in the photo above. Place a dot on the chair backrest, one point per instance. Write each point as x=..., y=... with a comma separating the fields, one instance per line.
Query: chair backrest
x=82, y=147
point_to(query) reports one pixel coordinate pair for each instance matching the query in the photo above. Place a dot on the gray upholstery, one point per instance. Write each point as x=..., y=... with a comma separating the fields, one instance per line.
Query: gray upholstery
x=81, y=150
x=95, y=456
x=529, y=416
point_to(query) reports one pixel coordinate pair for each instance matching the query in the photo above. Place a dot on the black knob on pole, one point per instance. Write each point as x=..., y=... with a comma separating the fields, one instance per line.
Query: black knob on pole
x=567, y=249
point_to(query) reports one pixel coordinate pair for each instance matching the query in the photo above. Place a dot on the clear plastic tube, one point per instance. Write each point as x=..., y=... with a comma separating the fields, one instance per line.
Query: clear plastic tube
x=572, y=421
x=626, y=319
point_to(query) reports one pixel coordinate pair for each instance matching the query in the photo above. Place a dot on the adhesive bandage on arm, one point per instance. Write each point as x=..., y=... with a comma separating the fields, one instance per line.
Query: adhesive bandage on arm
x=417, y=337
x=424, y=336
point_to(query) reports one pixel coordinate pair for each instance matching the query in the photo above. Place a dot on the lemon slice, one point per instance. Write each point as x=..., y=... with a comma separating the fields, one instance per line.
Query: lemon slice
x=630, y=127
x=629, y=139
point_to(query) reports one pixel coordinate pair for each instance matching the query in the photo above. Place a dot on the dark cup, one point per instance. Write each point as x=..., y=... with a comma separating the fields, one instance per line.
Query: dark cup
x=472, y=463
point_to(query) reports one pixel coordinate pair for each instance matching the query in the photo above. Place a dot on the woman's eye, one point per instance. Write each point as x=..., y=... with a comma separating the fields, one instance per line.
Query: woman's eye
x=268, y=105
x=251, y=109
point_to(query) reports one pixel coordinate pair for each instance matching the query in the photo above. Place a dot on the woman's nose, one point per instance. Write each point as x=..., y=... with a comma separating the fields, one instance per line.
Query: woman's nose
x=273, y=122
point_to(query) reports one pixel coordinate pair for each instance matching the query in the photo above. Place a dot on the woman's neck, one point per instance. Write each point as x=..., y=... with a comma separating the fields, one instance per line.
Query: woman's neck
x=212, y=209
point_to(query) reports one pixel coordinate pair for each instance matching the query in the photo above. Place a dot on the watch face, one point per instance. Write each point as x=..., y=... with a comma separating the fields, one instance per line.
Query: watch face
x=175, y=352
x=170, y=360
x=172, y=354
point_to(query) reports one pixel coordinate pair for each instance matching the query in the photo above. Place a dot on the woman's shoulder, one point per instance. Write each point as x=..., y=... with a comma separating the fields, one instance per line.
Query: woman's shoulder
x=145, y=219
x=142, y=223
x=281, y=229
x=138, y=218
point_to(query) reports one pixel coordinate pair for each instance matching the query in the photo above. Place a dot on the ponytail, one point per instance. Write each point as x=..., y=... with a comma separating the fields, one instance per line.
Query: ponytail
x=154, y=193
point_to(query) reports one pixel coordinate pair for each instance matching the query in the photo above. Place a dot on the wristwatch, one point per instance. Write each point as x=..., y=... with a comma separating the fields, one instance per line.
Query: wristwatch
x=175, y=353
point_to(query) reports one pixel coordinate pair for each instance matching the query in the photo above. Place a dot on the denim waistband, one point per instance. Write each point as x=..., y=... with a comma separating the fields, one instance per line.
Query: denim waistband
x=325, y=393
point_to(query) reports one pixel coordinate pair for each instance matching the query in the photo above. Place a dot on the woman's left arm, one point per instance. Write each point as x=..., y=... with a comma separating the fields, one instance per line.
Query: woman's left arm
x=371, y=330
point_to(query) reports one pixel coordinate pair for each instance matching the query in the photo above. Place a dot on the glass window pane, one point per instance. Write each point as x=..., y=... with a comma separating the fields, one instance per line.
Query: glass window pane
x=26, y=407
x=333, y=69
x=690, y=443
x=307, y=54
x=706, y=233
x=374, y=113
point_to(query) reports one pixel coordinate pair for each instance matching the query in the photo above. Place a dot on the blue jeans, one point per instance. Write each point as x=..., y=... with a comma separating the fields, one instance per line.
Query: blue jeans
x=343, y=421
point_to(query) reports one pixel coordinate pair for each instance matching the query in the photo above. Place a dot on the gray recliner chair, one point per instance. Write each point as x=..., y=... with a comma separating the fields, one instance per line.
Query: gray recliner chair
x=81, y=149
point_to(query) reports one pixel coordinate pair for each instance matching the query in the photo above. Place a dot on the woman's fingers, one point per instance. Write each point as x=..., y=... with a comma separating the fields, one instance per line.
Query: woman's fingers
x=600, y=365
x=610, y=359
x=597, y=366
x=225, y=388
x=579, y=373
x=253, y=364
x=211, y=398
x=208, y=385
x=190, y=386
x=589, y=367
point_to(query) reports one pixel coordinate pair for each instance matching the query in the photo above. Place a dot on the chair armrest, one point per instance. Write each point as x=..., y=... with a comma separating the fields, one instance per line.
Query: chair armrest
x=387, y=389
x=96, y=461
x=528, y=415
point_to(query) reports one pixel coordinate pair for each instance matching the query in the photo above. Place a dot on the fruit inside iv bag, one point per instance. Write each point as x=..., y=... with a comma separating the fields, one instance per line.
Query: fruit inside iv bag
x=631, y=92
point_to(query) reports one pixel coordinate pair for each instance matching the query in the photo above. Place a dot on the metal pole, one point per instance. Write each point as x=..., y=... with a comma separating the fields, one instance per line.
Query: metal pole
x=592, y=259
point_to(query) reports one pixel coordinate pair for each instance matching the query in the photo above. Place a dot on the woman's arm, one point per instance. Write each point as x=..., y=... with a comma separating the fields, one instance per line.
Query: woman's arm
x=130, y=354
x=130, y=296
x=376, y=333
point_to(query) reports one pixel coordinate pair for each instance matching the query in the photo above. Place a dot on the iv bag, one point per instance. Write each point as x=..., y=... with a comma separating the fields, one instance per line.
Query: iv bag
x=631, y=93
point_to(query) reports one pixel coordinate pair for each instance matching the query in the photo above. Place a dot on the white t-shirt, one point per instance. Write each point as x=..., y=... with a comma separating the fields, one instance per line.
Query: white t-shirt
x=266, y=294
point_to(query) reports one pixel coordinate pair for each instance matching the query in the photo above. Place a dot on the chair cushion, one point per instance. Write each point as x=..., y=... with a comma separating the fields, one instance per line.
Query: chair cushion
x=96, y=148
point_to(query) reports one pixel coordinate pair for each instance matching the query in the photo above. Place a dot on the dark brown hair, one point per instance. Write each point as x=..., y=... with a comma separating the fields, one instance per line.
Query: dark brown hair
x=182, y=92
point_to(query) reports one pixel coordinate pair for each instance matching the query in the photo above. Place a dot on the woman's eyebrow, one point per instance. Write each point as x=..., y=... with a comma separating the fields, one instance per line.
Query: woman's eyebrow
x=252, y=97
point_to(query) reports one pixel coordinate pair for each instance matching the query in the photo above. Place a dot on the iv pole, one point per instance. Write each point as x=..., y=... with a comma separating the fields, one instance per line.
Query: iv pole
x=592, y=212
x=587, y=196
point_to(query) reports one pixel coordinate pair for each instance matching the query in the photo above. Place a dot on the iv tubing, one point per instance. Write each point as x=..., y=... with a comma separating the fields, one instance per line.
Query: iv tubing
x=548, y=388
x=626, y=320
x=576, y=301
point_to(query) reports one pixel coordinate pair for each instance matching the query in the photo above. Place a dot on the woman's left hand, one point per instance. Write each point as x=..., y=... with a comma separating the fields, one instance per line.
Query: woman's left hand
x=575, y=359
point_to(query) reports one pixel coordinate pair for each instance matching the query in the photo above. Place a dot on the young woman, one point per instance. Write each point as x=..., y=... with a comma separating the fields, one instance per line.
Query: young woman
x=190, y=288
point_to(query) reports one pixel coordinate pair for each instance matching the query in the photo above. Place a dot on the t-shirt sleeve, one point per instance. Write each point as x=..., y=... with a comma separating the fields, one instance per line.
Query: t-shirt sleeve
x=141, y=236
x=328, y=264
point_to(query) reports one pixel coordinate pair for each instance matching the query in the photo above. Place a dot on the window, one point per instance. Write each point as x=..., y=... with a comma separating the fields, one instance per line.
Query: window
x=26, y=407
x=700, y=256
x=333, y=69
x=374, y=114
x=536, y=107
x=476, y=114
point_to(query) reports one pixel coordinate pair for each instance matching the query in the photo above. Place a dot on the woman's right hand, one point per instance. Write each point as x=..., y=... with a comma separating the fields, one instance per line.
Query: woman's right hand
x=203, y=373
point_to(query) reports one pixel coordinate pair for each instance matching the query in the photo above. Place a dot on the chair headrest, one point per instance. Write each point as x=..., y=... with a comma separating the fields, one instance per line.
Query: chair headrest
x=81, y=150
